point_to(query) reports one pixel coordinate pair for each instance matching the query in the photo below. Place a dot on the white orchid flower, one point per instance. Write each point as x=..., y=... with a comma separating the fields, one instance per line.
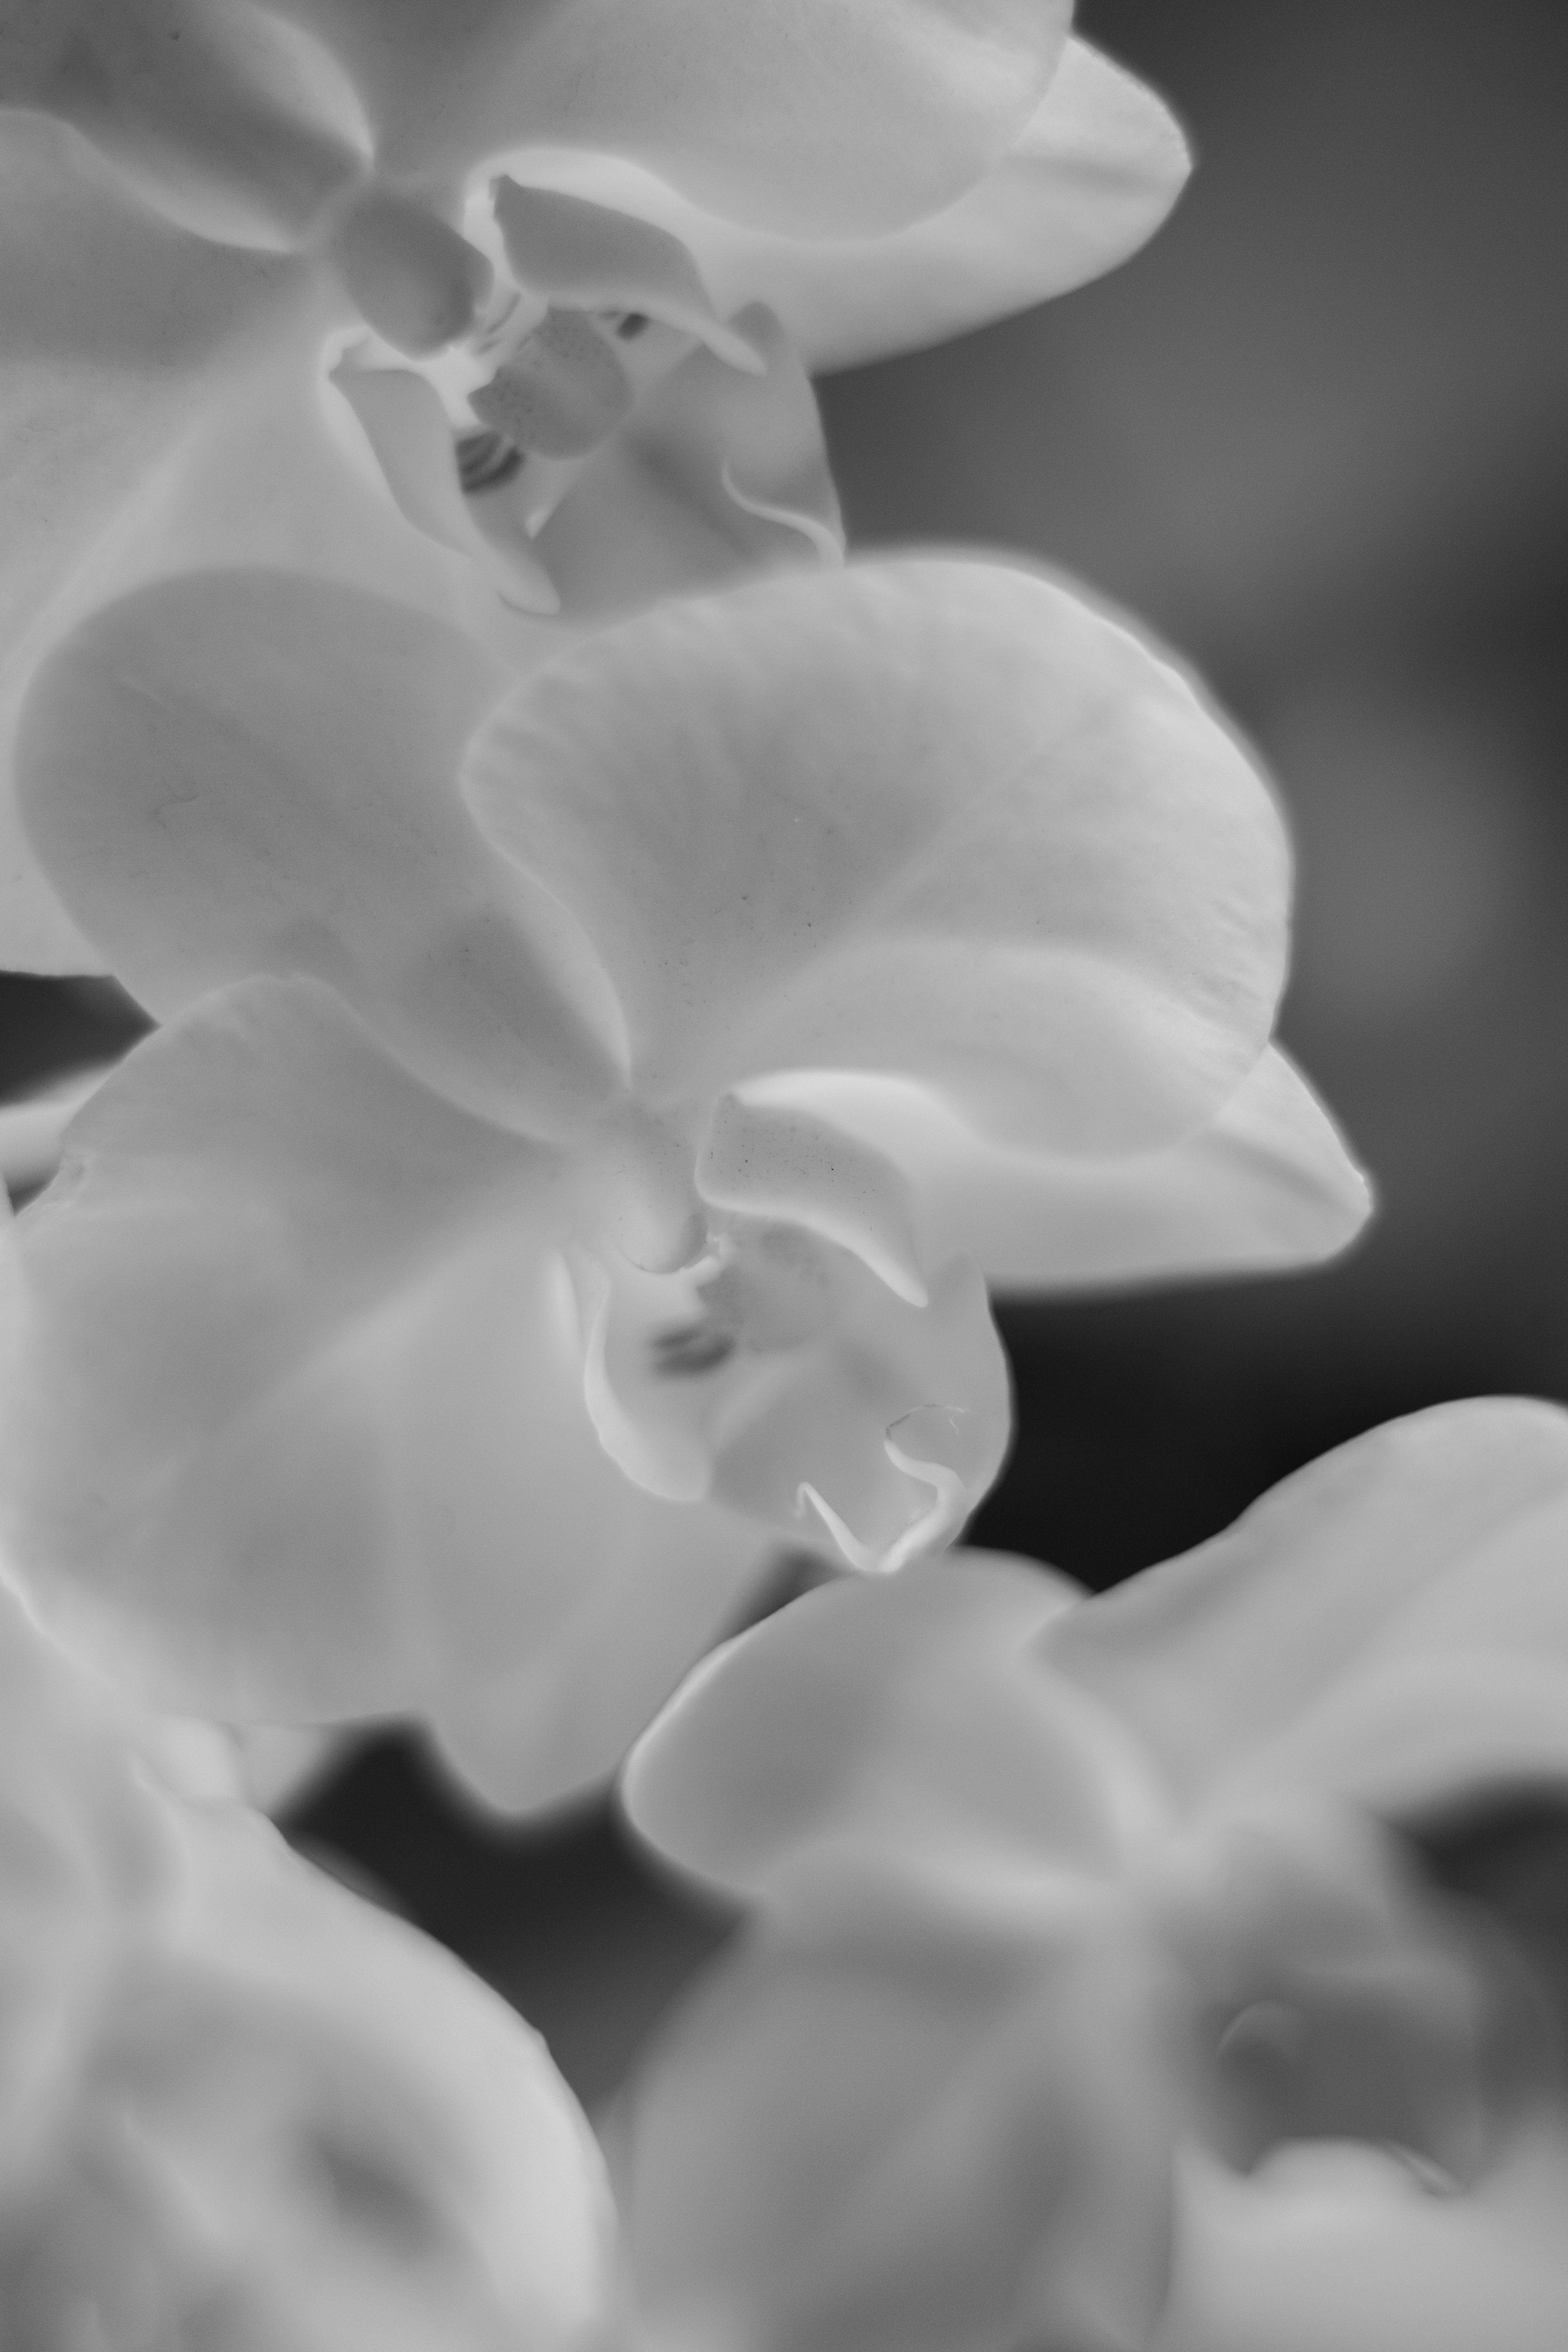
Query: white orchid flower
x=216, y=2125
x=1062, y=1897
x=771, y=192
x=466, y=1292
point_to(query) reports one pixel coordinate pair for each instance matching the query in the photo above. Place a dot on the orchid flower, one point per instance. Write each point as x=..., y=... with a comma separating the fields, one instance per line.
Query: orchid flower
x=1059, y=1897
x=463, y=1294
x=629, y=245
x=216, y=2125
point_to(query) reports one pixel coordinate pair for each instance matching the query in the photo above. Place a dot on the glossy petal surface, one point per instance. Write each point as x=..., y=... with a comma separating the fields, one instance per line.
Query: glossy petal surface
x=936, y=818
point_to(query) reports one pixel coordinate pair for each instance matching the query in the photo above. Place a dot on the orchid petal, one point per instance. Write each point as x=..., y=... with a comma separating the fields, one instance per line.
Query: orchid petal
x=902, y=1722
x=205, y=1305
x=293, y=1996
x=107, y=361
x=213, y=801
x=1267, y=1183
x=564, y=1603
x=1435, y=1543
x=810, y=117
x=412, y=277
x=782, y=1164
x=31, y=1128
x=714, y=473
x=407, y=429
x=1341, y=2249
x=590, y=257
x=1091, y=177
x=874, y=2141
x=936, y=818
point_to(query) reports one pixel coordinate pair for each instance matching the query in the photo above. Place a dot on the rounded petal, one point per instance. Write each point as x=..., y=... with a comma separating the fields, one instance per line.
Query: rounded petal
x=197, y=1307
x=556, y=1605
x=801, y=114
x=269, y=2056
x=903, y=1721
x=865, y=2142
x=795, y=1386
x=121, y=331
x=1343, y=2250
x=1093, y=174
x=592, y=256
x=937, y=818
x=406, y=425
x=1267, y=1185
x=213, y=801
x=1390, y=1621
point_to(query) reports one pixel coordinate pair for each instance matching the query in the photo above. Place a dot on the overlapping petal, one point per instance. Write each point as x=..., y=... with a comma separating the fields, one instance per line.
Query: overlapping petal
x=188, y=1308
x=1001, y=848
x=1389, y=1622
x=809, y=116
x=224, y=2130
x=1090, y=177
x=213, y=801
x=917, y=2150
x=1267, y=1183
x=967, y=1780
x=1344, y=2249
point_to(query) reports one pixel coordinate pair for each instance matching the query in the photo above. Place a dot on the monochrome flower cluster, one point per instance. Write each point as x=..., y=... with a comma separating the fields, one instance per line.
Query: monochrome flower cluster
x=630, y=984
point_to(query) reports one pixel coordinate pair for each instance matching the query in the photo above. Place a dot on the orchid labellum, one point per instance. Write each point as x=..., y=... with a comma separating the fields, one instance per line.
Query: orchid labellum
x=1092, y=1999
x=585, y=1114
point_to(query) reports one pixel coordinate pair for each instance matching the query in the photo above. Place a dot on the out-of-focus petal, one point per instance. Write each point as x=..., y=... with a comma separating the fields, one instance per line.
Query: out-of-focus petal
x=406, y=426
x=1343, y=2250
x=275, y=2058
x=904, y=1720
x=554, y=1605
x=1091, y=177
x=940, y=818
x=810, y=117
x=213, y=801
x=883, y=2141
x=1433, y=1542
x=593, y=257
x=715, y=473
x=193, y=1309
x=1267, y=1183
x=120, y=332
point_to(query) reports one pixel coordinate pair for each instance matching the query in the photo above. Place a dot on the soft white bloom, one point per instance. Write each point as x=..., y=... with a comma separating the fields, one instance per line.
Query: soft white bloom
x=170, y=399
x=546, y=1197
x=1062, y=1897
x=239, y=2105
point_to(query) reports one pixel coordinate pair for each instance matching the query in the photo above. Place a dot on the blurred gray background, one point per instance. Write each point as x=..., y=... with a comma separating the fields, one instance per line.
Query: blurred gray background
x=1317, y=435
